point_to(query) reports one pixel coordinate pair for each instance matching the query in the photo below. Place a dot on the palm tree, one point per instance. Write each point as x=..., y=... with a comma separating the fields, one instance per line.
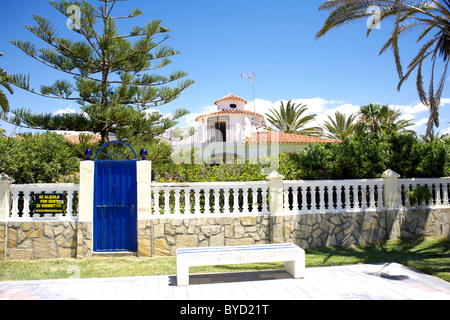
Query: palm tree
x=382, y=119
x=371, y=116
x=4, y=81
x=430, y=17
x=290, y=119
x=391, y=123
x=340, y=127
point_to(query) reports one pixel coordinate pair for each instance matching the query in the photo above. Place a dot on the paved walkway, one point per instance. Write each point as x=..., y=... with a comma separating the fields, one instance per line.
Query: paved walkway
x=358, y=282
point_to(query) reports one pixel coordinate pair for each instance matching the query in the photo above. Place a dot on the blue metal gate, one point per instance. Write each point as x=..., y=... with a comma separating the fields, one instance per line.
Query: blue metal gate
x=115, y=199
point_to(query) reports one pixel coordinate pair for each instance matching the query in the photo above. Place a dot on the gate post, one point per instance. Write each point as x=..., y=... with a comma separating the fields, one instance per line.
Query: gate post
x=5, y=196
x=144, y=195
x=276, y=205
x=85, y=210
x=86, y=194
x=144, y=207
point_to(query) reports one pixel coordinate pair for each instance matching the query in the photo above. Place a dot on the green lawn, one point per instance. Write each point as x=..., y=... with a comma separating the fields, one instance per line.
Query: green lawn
x=430, y=255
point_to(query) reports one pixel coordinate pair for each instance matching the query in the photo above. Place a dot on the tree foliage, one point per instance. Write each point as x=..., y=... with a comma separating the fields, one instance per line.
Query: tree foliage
x=290, y=118
x=4, y=82
x=340, y=127
x=430, y=19
x=114, y=75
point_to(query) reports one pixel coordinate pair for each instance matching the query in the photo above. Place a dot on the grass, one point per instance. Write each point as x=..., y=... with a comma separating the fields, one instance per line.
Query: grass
x=430, y=255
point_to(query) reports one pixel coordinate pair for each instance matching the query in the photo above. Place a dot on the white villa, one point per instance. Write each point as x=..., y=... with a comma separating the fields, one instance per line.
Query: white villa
x=232, y=133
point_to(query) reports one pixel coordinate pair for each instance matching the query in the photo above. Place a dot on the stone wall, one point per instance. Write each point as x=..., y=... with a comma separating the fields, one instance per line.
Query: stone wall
x=425, y=222
x=161, y=237
x=2, y=239
x=40, y=240
x=84, y=239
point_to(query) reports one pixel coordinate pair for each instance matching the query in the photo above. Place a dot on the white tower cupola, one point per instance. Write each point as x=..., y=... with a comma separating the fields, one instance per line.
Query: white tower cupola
x=231, y=102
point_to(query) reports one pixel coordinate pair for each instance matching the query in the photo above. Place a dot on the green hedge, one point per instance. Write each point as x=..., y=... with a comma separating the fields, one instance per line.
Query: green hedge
x=359, y=157
x=42, y=158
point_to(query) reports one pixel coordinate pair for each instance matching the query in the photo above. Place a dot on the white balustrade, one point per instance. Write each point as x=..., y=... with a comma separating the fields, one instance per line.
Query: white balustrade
x=209, y=199
x=214, y=199
x=313, y=196
x=22, y=207
x=439, y=188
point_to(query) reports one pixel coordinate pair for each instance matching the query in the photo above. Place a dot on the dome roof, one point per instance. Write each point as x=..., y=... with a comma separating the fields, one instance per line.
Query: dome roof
x=232, y=112
x=231, y=97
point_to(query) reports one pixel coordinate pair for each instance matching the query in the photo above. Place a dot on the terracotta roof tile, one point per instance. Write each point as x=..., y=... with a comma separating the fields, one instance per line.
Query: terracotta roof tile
x=74, y=139
x=221, y=112
x=280, y=137
x=231, y=97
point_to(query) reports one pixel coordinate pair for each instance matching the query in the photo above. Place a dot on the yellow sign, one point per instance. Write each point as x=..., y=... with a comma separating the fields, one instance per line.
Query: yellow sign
x=49, y=203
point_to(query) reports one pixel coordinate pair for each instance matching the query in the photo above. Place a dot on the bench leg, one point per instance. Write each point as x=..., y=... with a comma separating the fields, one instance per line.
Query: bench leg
x=296, y=268
x=182, y=274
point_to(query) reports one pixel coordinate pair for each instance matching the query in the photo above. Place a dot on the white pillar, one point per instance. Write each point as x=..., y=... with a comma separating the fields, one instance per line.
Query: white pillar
x=391, y=195
x=5, y=196
x=276, y=204
x=144, y=194
x=391, y=192
x=86, y=193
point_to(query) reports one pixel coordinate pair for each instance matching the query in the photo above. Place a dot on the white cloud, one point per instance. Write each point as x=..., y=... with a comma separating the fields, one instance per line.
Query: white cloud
x=445, y=131
x=419, y=123
x=324, y=108
x=65, y=110
x=411, y=109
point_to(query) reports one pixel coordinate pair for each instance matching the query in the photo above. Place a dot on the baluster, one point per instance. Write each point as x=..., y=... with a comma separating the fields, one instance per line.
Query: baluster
x=304, y=198
x=372, y=196
x=207, y=193
x=15, y=203
x=363, y=188
x=216, y=200
x=245, y=204
x=445, y=193
x=432, y=201
x=156, y=195
x=26, y=204
x=70, y=203
x=322, y=198
x=338, y=197
x=295, y=204
x=379, y=198
x=166, y=200
x=286, y=199
x=177, y=210
x=265, y=203
x=438, y=200
x=347, y=197
x=226, y=200
x=187, y=201
x=236, y=208
x=197, y=200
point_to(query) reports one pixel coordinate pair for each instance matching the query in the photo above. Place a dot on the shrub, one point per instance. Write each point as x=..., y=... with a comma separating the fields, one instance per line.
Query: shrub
x=42, y=158
x=419, y=195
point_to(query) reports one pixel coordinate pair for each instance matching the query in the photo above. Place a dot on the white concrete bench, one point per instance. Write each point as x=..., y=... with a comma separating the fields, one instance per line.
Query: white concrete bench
x=292, y=255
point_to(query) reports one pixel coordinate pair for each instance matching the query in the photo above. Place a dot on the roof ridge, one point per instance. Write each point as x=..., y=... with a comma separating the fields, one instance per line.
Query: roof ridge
x=248, y=112
x=266, y=136
x=231, y=97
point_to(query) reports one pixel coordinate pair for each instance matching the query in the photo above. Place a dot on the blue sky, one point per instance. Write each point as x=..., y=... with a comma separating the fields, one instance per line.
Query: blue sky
x=220, y=40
